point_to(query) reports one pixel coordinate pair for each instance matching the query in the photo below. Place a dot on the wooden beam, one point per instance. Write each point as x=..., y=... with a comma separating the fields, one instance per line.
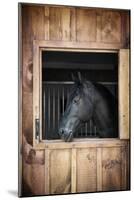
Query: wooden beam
x=124, y=93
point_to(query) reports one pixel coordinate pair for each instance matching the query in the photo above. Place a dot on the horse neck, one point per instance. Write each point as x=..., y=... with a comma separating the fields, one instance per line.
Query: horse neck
x=101, y=114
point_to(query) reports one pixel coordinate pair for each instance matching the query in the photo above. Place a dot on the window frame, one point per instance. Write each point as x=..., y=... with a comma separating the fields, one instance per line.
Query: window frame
x=123, y=80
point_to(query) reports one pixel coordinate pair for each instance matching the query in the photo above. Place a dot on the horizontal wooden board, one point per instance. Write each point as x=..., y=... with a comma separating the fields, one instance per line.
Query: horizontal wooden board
x=81, y=143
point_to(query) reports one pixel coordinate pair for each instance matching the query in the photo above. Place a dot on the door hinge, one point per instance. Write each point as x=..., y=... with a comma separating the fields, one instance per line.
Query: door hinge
x=37, y=129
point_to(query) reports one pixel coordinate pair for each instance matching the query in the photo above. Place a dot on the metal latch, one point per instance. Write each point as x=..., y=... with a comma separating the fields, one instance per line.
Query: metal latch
x=37, y=128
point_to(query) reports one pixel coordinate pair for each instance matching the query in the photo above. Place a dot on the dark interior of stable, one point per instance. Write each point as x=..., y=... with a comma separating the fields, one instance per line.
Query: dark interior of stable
x=57, y=69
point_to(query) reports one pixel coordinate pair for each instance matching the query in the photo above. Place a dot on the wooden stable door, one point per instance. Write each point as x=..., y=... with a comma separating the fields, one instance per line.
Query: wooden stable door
x=87, y=167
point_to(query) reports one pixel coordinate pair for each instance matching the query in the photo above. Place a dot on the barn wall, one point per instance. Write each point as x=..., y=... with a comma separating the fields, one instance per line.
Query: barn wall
x=103, y=29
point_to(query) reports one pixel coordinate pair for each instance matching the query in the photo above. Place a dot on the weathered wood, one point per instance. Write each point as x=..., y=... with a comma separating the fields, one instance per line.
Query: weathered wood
x=69, y=29
x=81, y=143
x=46, y=22
x=86, y=170
x=79, y=45
x=86, y=31
x=99, y=169
x=47, y=171
x=55, y=29
x=111, y=26
x=124, y=93
x=36, y=88
x=73, y=24
x=65, y=24
x=60, y=171
x=73, y=171
x=111, y=169
x=98, y=25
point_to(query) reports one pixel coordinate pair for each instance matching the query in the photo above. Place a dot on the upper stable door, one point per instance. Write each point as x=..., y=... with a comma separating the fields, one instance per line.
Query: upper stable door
x=53, y=69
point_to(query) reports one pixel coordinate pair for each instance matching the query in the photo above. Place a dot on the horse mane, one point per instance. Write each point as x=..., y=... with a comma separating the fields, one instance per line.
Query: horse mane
x=78, y=89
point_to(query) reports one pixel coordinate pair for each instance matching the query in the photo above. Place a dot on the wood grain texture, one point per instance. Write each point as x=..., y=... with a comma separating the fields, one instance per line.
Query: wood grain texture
x=86, y=170
x=124, y=87
x=111, y=26
x=99, y=169
x=111, y=169
x=86, y=25
x=60, y=171
x=73, y=171
x=75, y=28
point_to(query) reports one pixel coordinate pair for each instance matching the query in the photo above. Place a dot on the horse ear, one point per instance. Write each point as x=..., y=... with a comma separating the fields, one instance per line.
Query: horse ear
x=74, y=78
x=80, y=77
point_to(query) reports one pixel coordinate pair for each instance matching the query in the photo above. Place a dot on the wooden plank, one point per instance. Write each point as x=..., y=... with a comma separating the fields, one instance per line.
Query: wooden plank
x=47, y=171
x=125, y=168
x=73, y=171
x=36, y=89
x=37, y=22
x=55, y=26
x=86, y=170
x=73, y=24
x=99, y=169
x=65, y=24
x=98, y=25
x=124, y=93
x=79, y=45
x=85, y=25
x=111, y=26
x=38, y=176
x=46, y=22
x=60, y=171
x=80, y=143
x=111, y=169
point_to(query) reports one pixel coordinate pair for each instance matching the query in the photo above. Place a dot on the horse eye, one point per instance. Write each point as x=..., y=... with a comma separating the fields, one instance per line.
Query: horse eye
x=75, y=101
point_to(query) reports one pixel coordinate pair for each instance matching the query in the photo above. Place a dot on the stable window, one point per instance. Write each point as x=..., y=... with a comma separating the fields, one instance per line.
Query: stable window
x=53, y=69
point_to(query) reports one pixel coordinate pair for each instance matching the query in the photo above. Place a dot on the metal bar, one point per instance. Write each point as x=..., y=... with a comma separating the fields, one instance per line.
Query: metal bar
x=49, y=107
x=67, y=94
x=86, y=129
x=44, y=112
x=72, y=82
x=81, y=132
x=90, y=127
x=95, y=131
x=58, y=106
x=53, y=108
x=63, y=100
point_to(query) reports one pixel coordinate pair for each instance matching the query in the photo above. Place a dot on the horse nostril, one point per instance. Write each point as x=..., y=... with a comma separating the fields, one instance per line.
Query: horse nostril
x=61, y=131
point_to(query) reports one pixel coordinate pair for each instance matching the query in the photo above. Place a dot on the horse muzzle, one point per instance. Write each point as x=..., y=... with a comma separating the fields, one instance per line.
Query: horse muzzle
x=66, y=135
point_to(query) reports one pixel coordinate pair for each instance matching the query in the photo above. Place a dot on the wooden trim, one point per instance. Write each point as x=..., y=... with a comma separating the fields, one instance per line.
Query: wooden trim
x=41, y=45
x=36, y=89
x=38, y=47
x=73, y=171
x=99, y=169
x=123, y=93
x=47, y=171
x=78, y=45
x=81, y=143
x=40, y=92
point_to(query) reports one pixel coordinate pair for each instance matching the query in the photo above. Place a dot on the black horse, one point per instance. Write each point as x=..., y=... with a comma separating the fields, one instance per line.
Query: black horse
x=87, y=101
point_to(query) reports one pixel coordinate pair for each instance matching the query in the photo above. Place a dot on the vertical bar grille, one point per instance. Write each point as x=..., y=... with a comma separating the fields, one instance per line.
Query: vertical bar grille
x=55, y=96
